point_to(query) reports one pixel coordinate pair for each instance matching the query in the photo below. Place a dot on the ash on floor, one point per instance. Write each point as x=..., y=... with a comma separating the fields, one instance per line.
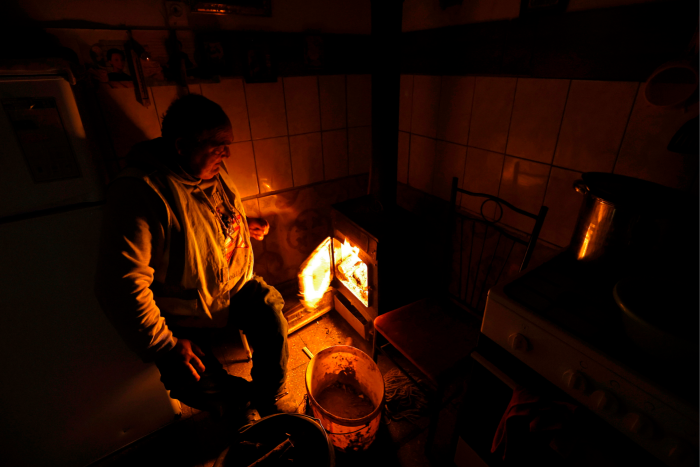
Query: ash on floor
x=197, y=439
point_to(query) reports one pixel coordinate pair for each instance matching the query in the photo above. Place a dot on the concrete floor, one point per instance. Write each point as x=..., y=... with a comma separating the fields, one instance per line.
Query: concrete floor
x=197, y=439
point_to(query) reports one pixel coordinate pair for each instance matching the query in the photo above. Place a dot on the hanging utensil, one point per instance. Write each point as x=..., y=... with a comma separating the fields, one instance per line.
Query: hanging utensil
x=675, y=82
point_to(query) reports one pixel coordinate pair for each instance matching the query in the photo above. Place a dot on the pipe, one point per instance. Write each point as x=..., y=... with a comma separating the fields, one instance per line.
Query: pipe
x=386, y=55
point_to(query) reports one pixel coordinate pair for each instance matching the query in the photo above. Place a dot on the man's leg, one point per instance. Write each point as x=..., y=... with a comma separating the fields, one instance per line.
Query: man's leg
x=257, y=310
x=216, y=391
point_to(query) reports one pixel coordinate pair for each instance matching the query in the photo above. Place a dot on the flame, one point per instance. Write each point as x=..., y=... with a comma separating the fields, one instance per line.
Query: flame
x=352, y=271
x=316, y=274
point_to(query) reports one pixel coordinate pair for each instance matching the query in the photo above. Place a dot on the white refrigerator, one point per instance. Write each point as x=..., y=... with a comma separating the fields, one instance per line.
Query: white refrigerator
x=70, y=392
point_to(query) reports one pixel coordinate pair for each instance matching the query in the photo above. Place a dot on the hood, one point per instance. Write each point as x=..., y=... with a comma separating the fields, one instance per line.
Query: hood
x=156, y=155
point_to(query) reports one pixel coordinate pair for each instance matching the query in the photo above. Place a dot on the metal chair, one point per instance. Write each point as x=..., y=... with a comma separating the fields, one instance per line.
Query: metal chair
x=434, y=337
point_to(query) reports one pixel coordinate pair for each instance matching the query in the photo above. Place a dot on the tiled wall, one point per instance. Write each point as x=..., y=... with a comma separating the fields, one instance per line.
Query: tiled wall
x=289, y=136
x=291, y=133
x=527, y=140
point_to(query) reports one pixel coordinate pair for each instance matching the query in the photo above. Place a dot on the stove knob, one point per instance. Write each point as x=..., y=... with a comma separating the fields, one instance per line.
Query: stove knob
x=518, y=342
x=574, y=380
x=604, y=402
x=639, y=424
x=680, y=452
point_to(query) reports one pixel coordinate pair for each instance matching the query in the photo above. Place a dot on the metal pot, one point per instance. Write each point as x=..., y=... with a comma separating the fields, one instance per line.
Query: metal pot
x=659, y=316
x=623, y=219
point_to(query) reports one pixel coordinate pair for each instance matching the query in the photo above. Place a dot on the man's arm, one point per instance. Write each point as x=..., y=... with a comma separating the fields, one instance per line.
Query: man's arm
x=132, y=233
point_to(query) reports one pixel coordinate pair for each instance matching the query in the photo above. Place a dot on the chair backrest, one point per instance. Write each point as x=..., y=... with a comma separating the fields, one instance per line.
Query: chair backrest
x=483, y=250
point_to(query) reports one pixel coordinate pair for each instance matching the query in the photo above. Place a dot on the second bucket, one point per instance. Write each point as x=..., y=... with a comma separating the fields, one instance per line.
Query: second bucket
x=349, y=366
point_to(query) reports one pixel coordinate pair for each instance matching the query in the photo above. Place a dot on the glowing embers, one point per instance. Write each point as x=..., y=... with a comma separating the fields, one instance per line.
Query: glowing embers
x=351, y=270
x=315, y=276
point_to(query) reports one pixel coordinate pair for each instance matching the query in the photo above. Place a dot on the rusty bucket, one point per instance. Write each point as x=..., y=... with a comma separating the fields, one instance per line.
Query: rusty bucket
x=352, y=367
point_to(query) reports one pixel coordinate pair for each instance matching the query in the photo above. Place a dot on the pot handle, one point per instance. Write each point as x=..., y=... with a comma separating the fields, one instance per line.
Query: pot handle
x=581, y=187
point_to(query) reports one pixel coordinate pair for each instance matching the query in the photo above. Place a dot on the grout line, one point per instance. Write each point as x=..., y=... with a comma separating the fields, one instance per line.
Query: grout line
x=410, y=110
x=292, y=188
x=286, y=117
x=629, y=117
x=252, y=145
x=347, y=125
x=471, y=111
x=437, y=119
x=469, y=130
x=512, y=111
x=312, y=132
x=496, y=152
x=408, y=160
x=320, y=124
x=410, y=127
x=510, y=120
x=561, y=122
x=556, y=142
x=155, y=107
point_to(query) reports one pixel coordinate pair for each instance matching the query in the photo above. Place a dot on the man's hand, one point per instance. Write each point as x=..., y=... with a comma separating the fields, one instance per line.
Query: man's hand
x=258, y=227
x=188, y=353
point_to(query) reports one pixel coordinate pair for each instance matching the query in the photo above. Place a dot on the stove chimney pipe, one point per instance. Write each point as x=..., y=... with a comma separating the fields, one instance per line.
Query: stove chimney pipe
x=386, y=56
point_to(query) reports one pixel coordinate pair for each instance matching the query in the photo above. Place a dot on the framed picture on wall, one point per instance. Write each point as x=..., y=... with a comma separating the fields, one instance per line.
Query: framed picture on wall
x=259, y=61
x=108, y=64
x=232, y=7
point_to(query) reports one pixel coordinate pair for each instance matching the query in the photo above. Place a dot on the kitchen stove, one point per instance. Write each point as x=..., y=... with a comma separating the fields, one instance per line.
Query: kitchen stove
x=560, y=319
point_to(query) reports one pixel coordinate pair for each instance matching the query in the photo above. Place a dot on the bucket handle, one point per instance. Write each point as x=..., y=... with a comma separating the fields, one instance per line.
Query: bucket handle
x=314, y=419
x=348, y=432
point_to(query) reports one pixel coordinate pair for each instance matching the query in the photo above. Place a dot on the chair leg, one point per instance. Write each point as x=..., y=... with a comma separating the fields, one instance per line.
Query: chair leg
x=434, y=404
x=375, y=345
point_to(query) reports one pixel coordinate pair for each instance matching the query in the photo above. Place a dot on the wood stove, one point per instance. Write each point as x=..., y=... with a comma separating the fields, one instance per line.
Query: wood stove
x=381, y=255
x=387, y=243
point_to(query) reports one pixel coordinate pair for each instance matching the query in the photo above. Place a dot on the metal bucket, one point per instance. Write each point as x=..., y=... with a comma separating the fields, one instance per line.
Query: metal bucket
x=350, y=366
x=311, y=448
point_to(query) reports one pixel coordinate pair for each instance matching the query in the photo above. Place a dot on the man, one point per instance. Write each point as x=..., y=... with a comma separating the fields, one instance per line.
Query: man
x=117, y=60
x=176, y=262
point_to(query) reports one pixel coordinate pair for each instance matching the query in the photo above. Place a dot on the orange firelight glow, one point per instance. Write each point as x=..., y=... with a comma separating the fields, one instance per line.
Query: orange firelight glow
x=586, y=241
x=315, y=275
x=352, y=271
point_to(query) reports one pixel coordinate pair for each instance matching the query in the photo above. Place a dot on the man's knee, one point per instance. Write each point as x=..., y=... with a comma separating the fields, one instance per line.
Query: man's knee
x=268, y=304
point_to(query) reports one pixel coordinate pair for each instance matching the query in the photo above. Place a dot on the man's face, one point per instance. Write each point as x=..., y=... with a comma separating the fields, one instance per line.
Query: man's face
x=206, y=158
x=117, y=62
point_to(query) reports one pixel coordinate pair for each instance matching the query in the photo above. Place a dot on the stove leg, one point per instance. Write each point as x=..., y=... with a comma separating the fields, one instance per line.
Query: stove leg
x=375, y=345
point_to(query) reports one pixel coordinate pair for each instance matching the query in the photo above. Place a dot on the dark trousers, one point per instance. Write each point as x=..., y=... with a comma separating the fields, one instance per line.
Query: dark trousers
x=256, y=310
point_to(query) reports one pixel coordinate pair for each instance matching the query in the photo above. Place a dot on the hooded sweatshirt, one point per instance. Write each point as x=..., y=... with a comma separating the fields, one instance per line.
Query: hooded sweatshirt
x=166, y=256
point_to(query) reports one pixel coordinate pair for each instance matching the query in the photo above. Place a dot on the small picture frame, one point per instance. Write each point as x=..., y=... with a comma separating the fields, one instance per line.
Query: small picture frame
x=259, y=61
x=109, y=64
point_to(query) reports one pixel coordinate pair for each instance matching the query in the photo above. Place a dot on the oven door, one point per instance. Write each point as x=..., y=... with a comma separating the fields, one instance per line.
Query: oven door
x=587, y=439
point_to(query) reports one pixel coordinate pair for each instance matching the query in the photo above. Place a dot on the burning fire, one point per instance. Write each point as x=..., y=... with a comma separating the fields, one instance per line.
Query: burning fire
x=352, y=271
x=316, y=273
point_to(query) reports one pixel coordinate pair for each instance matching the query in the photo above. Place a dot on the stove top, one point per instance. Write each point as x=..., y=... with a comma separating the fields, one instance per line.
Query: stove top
x=577, y=298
